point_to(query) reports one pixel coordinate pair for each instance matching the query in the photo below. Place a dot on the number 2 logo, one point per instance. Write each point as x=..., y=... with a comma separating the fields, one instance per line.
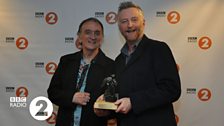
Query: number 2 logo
x=204, y=94
x=22, y=43
x=41, y=108
x=111, y=18
x=205, y=43
x=51, y=67
x=22, y=92
x=42, y=111
x=173, y=17
x=51, y=18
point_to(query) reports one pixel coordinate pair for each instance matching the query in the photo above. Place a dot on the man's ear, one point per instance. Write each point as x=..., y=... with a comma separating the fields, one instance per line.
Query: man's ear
x=78, y=43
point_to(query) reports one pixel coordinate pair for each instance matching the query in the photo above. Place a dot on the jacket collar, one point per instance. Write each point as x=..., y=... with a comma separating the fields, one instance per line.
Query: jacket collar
x=139, y=50
x=99, y=58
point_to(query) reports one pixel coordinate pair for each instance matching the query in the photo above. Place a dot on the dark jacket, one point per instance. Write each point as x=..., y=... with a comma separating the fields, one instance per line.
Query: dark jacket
x=151, y=80
x=63, y=83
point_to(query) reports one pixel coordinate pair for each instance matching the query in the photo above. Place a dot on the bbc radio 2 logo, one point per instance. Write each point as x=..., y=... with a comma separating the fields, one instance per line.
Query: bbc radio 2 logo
x=50, y=67
x=40, y=107
x=173, y=17
x=203, y=94
x=110, y=18
x=51, y=18
x=204, y=42
x=21, y=42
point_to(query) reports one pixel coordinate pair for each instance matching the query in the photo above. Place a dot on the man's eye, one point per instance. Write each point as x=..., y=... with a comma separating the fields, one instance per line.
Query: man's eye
x=88, y=32
x=134, y=19
x=97, y=33
x=123, y=21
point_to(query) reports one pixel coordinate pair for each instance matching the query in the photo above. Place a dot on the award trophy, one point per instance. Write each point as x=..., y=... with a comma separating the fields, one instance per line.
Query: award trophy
x=110, y=95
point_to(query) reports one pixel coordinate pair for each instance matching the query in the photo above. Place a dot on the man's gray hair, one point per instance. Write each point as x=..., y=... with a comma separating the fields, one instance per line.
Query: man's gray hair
x=128, y=4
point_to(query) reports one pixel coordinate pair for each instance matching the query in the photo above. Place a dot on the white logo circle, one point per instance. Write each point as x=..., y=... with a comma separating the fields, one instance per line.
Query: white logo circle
x=41, y=108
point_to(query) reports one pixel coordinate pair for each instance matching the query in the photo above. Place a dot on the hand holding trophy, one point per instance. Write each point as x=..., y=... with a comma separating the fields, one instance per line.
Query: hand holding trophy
x=110, y=95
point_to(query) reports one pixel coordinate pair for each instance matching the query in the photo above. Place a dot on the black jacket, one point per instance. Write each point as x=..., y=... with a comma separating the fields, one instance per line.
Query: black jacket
x=62, y=88
x=152, y=82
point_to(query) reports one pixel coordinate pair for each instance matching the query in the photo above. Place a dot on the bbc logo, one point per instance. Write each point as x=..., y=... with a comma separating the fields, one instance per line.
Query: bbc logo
x=17, y=99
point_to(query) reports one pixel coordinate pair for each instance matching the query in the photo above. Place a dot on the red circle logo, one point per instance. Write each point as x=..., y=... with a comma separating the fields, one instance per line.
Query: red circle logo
x=205, y=42
x=51, y=67
x=51, y=18
x=204, y=94
x=22, y=92
x=173, y=17
x=111, y=18
x=22, y=43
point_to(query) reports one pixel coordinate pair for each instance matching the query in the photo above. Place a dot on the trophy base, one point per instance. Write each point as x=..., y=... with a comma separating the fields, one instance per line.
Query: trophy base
x=105, y=105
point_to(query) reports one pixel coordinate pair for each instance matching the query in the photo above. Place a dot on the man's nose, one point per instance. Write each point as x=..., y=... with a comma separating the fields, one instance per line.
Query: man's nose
x=130, y=24
x=93, y=35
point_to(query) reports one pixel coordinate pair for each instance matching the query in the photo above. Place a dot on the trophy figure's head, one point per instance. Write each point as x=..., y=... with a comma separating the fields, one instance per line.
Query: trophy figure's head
x=110, y=85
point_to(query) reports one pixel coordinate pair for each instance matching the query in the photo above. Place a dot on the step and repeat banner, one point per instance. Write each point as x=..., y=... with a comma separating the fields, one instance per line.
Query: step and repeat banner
x=34, y=34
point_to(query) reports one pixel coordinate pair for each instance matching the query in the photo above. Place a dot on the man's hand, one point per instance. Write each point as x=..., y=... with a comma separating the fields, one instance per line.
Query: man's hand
x=81, y=98
x=124, y=105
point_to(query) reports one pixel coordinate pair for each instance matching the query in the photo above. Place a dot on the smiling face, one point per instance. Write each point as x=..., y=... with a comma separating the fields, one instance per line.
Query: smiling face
x=91, y=36
x=131, y=24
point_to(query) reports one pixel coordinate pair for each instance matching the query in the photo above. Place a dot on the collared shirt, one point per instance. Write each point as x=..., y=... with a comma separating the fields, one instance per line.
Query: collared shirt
x=78, y=110
x=125, y=50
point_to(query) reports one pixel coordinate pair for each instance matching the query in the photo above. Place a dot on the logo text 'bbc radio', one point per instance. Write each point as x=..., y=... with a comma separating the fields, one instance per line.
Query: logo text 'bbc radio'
x=17, y=102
